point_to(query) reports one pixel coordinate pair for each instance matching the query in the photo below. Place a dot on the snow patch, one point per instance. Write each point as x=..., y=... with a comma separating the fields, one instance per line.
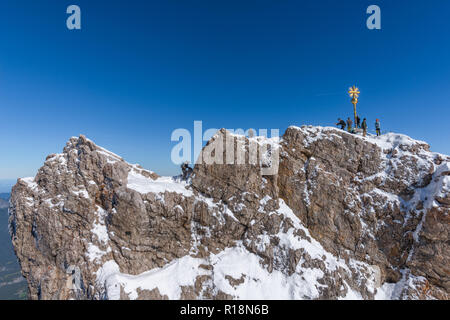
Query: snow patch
x=142, y=184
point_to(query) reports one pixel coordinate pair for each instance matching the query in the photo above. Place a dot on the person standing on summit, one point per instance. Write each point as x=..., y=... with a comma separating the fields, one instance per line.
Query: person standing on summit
x=364, y=127
x=349, y=124
x=358, y=122
x=377, y=127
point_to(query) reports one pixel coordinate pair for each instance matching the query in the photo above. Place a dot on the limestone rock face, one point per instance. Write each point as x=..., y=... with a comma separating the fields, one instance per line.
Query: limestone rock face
x=316, y=214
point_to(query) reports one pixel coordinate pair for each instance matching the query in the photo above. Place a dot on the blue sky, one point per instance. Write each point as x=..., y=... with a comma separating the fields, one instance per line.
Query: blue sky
x=140, y=69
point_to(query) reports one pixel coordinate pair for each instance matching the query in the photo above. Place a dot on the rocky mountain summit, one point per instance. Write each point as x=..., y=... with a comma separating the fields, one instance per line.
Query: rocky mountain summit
x=343, y=217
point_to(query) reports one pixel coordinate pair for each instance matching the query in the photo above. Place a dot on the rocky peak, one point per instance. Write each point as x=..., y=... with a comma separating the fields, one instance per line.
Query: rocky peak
x=342, y=217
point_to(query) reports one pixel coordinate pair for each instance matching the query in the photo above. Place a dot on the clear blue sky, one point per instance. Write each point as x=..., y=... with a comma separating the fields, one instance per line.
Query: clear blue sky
x=140, y=69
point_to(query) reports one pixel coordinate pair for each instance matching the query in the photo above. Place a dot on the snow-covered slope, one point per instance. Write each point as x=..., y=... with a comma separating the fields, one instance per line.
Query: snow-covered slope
x=345, y=217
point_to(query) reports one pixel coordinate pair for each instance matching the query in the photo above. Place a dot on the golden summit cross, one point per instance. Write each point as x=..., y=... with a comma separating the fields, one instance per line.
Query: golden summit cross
x=354, y=94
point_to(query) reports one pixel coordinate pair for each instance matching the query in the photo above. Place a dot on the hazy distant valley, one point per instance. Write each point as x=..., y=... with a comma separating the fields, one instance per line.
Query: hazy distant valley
x=12, y=284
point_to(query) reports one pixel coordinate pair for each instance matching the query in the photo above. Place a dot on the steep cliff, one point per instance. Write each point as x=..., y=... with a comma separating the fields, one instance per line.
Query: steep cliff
x=344, y=217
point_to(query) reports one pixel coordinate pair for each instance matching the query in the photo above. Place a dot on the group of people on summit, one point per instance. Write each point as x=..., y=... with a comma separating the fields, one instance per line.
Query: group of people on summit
x=359, y=125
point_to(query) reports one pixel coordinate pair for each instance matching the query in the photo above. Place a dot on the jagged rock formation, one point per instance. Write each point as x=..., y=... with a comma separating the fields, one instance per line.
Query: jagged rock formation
x=343, y=217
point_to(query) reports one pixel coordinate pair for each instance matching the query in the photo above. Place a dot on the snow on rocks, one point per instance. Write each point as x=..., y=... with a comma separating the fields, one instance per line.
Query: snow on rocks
x=142, y=184
x=99, y=245
x=345, y=217
x=236, y=272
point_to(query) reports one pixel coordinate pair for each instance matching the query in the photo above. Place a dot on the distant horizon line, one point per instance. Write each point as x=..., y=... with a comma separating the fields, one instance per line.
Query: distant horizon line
x=6, y=185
